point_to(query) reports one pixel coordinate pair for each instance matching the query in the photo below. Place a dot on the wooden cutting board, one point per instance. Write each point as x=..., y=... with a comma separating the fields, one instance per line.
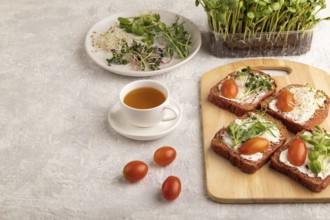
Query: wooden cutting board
x=226, y=183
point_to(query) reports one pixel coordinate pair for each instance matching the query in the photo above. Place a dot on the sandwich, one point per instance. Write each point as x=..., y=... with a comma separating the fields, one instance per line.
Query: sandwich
x=248, y=142
x=242, y=91
x=299, y=107
x=306, y=159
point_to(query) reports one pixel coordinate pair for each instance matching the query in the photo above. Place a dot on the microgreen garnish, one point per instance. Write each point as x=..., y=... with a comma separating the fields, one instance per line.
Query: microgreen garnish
x=254, y=83
x=248, y=128
x=261, y=16
x=149, y=26
x=146, y=25
x=142, y=56
x=321, y=149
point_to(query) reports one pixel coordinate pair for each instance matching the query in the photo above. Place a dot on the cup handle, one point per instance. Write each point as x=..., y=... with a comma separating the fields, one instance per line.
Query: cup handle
x=173, y=116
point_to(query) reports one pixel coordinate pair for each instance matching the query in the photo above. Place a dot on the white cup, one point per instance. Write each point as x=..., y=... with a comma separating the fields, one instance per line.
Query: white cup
x=151, y=116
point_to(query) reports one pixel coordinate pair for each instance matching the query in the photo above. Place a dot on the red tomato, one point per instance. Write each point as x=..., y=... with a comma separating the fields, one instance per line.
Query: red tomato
x=229, y=89
x=171, y=188
x=135, y=171
x=297, y=152
x=164, y=156
x=285, y=101
x=254, y=145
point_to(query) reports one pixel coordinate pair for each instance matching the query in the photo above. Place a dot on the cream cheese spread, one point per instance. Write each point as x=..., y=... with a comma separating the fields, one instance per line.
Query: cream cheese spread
x=252, y=157
x=241, y=97
x=304, y=168
x=307, y=101
x=227, y=139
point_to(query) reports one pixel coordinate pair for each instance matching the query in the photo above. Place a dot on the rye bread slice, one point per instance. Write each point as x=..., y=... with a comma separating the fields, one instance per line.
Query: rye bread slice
x=247, y=166
x=319, y=116
x=231, y=105
x=315, y=184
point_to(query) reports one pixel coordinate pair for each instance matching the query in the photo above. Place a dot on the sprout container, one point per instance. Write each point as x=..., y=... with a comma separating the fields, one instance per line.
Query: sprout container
x=286, y=43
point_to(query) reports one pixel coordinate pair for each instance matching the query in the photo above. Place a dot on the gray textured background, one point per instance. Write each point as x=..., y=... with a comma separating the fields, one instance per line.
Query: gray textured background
x=58, y=157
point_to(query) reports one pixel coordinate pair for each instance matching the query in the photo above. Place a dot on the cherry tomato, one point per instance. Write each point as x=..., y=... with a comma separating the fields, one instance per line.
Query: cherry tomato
x=171, y=188
x=164, y=156
x=135, y=171
x=297, y=152
x=285, y=101
x=254, y=145
x=229, y=89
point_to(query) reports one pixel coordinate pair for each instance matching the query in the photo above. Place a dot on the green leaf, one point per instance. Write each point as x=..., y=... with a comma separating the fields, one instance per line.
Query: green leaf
x=233, y=4
x=305, y=137
x=221, y=16
x=315, y=166
x=293, y=10
x=232, y=128
x=275, y=6
x=313, y=155
x=161, y=26
x=126, y=27
x=319, y=128
x=267, y=11
x=320, y=147
x=312, y=142
x=224, y=8
x=250, y=15
x=137, y=30
x=124, y=21
x=261, y=3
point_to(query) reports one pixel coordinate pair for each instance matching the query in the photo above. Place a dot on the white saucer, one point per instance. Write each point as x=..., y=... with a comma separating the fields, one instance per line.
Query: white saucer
x=121, y=125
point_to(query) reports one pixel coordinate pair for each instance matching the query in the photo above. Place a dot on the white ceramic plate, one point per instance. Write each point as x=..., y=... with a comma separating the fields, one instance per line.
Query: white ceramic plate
x=168, y=18
x=121, y=125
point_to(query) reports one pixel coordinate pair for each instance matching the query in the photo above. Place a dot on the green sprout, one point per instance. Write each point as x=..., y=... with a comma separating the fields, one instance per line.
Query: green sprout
x=149, y=26
x=250, y=127
x=250, y=17
x=321, y=149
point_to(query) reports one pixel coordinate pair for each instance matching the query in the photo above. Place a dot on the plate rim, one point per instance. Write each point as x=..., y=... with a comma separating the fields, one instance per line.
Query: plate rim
x=134, y=73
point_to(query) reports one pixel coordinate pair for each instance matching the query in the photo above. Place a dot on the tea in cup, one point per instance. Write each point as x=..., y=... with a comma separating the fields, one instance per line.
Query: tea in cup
x=146, y=103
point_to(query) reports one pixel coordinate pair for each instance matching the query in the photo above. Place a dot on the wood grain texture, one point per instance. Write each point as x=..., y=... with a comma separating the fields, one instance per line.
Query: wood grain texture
x=226, y=183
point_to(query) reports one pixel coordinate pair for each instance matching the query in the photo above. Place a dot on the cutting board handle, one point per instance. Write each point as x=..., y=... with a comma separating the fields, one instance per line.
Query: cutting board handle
x=286, y=69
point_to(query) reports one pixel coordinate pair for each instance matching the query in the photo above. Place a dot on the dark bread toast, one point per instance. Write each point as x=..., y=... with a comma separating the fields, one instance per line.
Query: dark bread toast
x=319, y=116
x=231, y=105
x=315, y=184
x=247, y=166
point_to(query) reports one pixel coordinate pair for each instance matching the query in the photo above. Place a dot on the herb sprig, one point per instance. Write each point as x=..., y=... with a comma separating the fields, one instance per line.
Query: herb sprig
x=146, y=25
x=321, y=150
x=250, y=127
x=149, y=26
